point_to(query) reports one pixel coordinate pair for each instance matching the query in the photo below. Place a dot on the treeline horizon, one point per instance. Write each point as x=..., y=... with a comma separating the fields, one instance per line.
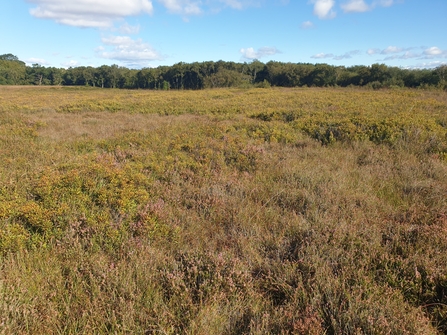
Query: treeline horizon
x=215, y=74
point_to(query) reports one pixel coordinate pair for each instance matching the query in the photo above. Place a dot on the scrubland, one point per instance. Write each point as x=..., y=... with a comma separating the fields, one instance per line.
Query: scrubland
x=227, y=211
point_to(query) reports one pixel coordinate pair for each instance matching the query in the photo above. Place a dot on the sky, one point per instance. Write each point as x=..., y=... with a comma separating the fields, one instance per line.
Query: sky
x=149, y=33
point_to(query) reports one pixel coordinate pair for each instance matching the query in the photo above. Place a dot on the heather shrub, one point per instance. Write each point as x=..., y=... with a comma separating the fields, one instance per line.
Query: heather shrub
x=224, y=211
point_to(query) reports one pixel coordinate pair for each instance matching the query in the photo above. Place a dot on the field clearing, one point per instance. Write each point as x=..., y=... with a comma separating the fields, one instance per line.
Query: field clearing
x=226, y=211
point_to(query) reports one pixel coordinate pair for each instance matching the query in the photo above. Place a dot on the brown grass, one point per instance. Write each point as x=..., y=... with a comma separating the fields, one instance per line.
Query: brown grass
x=230, y=218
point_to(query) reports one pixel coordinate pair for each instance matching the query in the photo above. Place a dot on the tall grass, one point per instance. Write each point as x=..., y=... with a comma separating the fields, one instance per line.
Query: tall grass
x=304, y=211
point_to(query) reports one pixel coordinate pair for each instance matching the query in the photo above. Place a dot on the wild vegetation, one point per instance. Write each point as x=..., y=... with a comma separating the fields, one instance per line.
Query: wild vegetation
x=225, y=211
x=195, y=76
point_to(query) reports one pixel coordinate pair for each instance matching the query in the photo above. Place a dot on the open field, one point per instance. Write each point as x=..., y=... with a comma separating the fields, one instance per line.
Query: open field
x=227, y=211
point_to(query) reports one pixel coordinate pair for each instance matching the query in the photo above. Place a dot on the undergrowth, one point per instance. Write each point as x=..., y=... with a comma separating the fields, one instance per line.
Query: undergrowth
x=279, y=211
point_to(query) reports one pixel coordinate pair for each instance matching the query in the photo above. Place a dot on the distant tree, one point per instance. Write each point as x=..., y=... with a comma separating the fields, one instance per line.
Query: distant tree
x=10, y=57
x=194, y=77
x=255, y=70
x=363, y=75
x=323, y=75
x=227, y=78
x=409, y=78
x=220, y=74
x=395, y=77
x=69, y=77
x=88, y=76
x=56, y=76
x=275, y=73
x=38, y=75
x=114, y=75
x=175, y=75
x=441, y=71
x=379, y=72
x=145, y=78
x=345, y=77
x=12, y=70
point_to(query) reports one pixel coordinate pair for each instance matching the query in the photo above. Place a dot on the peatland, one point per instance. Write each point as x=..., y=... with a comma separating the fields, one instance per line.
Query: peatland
x=224, y=211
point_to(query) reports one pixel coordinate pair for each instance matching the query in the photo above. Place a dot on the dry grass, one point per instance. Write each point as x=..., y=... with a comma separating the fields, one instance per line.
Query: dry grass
x=222, y=212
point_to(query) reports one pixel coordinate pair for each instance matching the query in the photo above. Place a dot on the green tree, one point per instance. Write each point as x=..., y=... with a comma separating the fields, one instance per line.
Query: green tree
x=380, y=73
x=10, y=57
x=12, y=70
x=56, y=76
x=323, y=75
x=255, y=69
x=38, y=75
x=175, y=75
x=345, y=76
x=227, y=78
x=441, y=72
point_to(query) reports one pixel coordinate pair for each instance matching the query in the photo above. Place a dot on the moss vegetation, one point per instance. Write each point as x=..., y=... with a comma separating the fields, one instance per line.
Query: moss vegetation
x=281, y=211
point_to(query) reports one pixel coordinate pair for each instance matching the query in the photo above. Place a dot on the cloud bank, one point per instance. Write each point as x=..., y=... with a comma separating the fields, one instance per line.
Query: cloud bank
x=89, y=13
x=131, y=52
x=103, y=13
x=434, y=54
x=183, y=7
x=358, y=6
x=394, y=52
x=346, y=55
x=326, y=9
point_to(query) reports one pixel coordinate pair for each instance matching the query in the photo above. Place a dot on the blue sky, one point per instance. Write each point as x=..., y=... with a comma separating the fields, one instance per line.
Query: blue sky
x=149, y=33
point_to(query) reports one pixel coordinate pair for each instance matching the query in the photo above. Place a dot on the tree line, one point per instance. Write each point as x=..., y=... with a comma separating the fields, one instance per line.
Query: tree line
x=210, y=74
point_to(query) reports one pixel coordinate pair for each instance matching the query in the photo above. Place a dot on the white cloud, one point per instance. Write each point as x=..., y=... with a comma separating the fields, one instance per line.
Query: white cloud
x=307, y=25
x=340, y=57
x=405, y=55
x=89, y=13
x=33, y=60
x=322, y=55
x=72, y=63
x=408, y=55
x=394, y=53
x=384, y=3
x=104, y=13
x=133, y=53
x=346, y=55
x=241, y=4
x=197, y=7
x=323, y=8
x=355, y=6
x=434, y=55
x=391, y=50
x=183, y=7
x=233, y=3
x=250, y=53
x=361, y=6
x=372, y=51
x=429, y=65
x=128, y=29
x=433, y=51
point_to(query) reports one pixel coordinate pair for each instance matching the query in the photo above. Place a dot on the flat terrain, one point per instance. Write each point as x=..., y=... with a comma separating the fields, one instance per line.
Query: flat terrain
x=226, y=211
